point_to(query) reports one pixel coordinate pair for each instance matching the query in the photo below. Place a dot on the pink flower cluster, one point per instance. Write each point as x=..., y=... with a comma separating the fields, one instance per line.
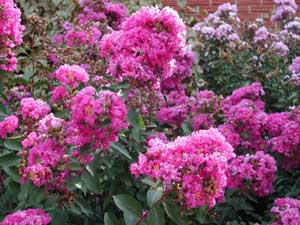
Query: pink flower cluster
x=59, y=95
x=45, y=151
x=174, y=109
x=286, y=211
x=245, y=116
x=182, y=69
x=255, y=172
x=8, y=126
x=285, y=138
x=71, y=76
x=102, y=10
x=95, y=118
x=195, y=166
x=33, y=109
x=203, y=107
x=27, y=217
x=86, y=30
x=144, y=48
x=285, y=10
x=10, y=34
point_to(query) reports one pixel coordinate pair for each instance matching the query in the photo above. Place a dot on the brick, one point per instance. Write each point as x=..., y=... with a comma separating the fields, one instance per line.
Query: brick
x=209, y=8
x=248, y=9
x=220, y=2
x=263, y=8
x=244, y=8
x=169, y=2
x=192, y=10
x=250, y=16
x=197, y=2
x=249, y=2
x=270, y=2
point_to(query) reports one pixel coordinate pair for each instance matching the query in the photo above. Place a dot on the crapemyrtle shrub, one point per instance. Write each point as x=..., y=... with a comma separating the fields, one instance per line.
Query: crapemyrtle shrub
x=132, y=113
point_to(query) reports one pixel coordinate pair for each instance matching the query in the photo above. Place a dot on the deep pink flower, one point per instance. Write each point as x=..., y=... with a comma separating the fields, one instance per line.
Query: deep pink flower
x=196, y=163
x=8, y=126
x=27, y=217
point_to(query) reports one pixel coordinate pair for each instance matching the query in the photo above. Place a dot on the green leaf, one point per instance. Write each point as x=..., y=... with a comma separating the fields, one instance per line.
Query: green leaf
x=128, y=204
x=84, y=207
x=59, y=218
x=135, y=120
x=201, y=215
x=186, y=127
x=141, y=122
x=13, y=144
x=130, y=219
x=156, y=216
x=19, y=80
x=120, y=148
x=153, y=196
x=13, y=173
x=173, y=213
x=135, y=134
x=2, y=110
x=110, y=219
x=90, y=181
x=36, y=196
x=10, y=159
x=132, y=118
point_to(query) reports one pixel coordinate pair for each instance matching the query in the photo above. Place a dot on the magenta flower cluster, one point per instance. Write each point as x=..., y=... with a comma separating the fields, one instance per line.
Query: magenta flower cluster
x=96, y=118
x=286, y=211
x=27, y=217
x=33, y=109
x=10, y=34
x=244, y=116
x=284, y=129
x=87, y=29
x=194, y=165
x=8, y=126
x=71, y=76
x=144, y=48
x=255, y=172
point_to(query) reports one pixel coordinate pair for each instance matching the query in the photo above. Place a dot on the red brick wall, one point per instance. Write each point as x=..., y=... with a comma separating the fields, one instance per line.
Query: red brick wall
x=247, y=9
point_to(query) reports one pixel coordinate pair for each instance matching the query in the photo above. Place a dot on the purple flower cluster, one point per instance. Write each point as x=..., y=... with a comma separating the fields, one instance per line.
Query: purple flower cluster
x=285, y=10
x=294, y=68
x=220, y=26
